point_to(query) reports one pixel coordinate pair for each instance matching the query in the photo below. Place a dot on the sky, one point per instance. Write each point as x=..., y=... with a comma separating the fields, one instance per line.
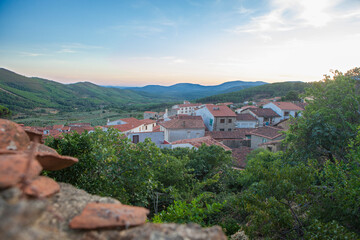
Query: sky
x=143, y=42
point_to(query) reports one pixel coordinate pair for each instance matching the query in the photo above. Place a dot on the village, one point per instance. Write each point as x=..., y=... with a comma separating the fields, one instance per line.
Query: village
x=189, y=125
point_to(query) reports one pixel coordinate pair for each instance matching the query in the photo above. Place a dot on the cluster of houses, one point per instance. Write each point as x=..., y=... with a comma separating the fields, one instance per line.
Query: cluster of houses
x=193, y=124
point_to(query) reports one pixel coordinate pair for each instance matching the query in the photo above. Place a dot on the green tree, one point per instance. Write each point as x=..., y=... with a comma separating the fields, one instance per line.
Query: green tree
x=4, y=112
x=329, y=122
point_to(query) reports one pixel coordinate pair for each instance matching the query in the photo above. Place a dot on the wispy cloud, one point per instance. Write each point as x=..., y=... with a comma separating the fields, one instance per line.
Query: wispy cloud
x=31, y=54
x=76, y=47
x=289, y=15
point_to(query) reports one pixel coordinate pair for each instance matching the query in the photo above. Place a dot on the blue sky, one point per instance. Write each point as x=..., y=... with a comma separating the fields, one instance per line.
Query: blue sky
x=138, y=42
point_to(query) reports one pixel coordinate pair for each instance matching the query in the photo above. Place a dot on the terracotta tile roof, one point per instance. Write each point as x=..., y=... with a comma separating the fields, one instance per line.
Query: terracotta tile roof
x=245, y=117
x=244, y=131
x=65, y=128
x=268, y=132
x=220, y=135
x=184, y=123
x=301, y=105
x=150, y=112
x=197, y=142
x=80, y=130
x=55, y=127
x=247, y=107
x=264, y=112
x=79, y=124
x=131, y=120
x=239, y=155
x=288, y=106
x=185, y=116
x=146, y=121
x=156, y=129
x=220, y=111
x=124, y=127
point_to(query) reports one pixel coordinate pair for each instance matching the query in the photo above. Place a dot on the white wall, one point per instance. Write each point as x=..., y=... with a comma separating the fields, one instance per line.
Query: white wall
x=279, y=111
x=156, y=137
x=245, y=124
x=172, y=135
x=207, y=117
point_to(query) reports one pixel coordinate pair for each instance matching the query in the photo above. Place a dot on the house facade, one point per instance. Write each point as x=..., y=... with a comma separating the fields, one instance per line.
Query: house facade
x=246, y=120
x=183, y=127
x=284, y=109
x=217, y=118
x=265, y=134
x=155, y=137
x=187, y=108
x=265, y=116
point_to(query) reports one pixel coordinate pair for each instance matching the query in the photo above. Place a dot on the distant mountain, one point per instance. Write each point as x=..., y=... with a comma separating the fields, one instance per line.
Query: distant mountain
x=256, y=93
x=21, y=94
x=189, y=91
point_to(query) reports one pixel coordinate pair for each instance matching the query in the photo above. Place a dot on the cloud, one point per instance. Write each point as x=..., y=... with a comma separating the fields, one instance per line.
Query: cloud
x=31, y=54
x=296, y=14
x=76, y=47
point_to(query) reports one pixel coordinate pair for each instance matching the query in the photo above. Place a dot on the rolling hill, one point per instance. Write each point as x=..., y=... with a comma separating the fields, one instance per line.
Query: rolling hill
x=189, y=91
x=20, y=93
x=256, y=93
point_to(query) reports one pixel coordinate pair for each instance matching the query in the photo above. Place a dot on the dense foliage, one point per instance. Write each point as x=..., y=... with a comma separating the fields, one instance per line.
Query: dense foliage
x=255, y=93
x=310, y=191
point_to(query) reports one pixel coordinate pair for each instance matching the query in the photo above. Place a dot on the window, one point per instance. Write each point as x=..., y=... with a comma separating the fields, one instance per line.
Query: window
x=221, y=129
x=286, y=114
x=230, y=121
x=229, y=129
x=222, y=120
x=135, y=139
x=264, y=140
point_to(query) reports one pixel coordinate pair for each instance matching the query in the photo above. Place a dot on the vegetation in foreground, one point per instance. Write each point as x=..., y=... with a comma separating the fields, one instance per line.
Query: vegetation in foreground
x=311, y=191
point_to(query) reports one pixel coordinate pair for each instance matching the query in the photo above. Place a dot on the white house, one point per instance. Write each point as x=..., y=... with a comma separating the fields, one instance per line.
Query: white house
x=217, y=118
x=183, y=127
x=265, y=116
x=187, y=108
x=284, y=109
x=127, y=125
x=246, y=120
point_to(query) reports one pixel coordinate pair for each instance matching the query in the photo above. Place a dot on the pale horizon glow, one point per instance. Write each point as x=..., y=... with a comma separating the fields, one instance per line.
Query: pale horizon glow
x=143, y=42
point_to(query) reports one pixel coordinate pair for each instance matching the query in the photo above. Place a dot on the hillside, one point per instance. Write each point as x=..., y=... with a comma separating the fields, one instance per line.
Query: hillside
x=20, y=93
x=191, y=91
x=255, y=93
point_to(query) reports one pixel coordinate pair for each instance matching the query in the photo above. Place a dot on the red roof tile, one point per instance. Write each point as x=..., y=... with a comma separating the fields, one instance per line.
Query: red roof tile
x=245, y=117
x=220, y=135
x=264, y=112
x=80, y=130
x=124, y=127
x=288, y=106
x=268, y=132
x=156, y=129
x=197, y=142
x=220, y=111
x=147, y=121
x=184, y=123
x=239, y=155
